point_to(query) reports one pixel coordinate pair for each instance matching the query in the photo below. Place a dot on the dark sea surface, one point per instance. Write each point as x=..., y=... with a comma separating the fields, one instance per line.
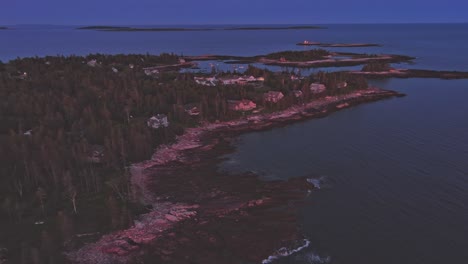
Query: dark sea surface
x=393, y=175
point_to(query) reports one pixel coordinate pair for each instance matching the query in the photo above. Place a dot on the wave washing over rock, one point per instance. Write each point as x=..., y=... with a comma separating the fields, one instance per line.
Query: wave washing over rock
x=314, y=258
x=319, y=182
x=284, y=252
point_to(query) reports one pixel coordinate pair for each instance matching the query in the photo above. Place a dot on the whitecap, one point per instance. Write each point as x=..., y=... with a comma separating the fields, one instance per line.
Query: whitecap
x=284, y=252
x=319, y=182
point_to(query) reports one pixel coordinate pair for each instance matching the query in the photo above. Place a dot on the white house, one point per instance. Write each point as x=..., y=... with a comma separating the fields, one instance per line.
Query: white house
x=273, y=96
x=158, y=121
x=317, y=88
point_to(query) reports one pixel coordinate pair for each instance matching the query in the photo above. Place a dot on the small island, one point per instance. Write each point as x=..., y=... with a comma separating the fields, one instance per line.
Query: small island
x=3, y=28
x=155, y=29
x=115, y=28
x=308, y=59
x=337, y=45
x=379, y=70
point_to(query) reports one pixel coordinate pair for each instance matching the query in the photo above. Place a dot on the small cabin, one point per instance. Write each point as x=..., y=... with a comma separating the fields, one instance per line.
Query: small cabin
x=92, y=63
x=273, y=96
x=297, y=93
x=317, y=88
x=341, y=85
x=241, y=105
x=158, y=121
x=192, y=109
x=95, y=154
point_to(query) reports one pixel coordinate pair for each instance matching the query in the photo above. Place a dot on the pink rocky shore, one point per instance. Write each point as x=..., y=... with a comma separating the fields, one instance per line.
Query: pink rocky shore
x=200, y=215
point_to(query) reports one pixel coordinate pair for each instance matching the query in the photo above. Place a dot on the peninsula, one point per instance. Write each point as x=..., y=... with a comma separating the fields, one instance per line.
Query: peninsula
x=85, y=130
x=139, y=139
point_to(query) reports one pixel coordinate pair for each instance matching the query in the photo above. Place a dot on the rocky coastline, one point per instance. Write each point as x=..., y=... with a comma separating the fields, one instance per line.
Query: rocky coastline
x=201, y=215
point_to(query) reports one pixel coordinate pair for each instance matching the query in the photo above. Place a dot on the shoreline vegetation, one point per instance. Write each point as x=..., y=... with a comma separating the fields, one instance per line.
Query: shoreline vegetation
x=155, y=29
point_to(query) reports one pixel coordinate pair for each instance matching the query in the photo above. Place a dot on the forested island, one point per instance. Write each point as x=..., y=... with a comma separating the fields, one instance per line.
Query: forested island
x=381, y=70
x=314, y=58
x=155, y=29
x=73, y=127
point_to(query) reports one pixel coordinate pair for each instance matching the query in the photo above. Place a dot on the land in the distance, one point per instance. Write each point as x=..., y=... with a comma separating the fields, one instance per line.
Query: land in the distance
x=337, y=45
x=382, y=70
x=117, y=28
x=308, y=59
x=2, y=28
x=412, y=73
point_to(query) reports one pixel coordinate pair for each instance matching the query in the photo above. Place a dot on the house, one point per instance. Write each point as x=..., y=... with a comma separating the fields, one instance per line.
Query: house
x=341, y=85
x=131, y=66
x=251, y=79
x=115, y=70
x=211, y=81
x=21, y=76
x=149, y=72
x=192, y=109
x=243, y=80
x=295, y=78
x=95, y=154
x=283, y=59
x=273, y=96
x=317, y=88
x=182, y=61
x=92, y=63
x=158, y=121
x=241, y=105
x=297, y=93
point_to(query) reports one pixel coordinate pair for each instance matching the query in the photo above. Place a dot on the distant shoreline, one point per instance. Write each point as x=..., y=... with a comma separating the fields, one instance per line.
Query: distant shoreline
x=412, y=73
x=165, y=29
x=338, y=45
x=3, y=28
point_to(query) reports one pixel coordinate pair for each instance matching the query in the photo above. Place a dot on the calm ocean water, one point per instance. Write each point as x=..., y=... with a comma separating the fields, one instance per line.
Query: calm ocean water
x=393, y=174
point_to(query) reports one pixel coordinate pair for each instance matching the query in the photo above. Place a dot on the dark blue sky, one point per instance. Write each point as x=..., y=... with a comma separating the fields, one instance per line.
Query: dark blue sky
x=139, y=12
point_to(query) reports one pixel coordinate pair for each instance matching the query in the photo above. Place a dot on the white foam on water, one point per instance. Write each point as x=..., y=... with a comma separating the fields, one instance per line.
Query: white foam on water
x=284, y=252
x=318, y=182
x=314, y=258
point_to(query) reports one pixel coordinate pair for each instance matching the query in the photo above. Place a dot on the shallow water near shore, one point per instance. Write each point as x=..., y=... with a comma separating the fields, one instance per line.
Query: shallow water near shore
x=398, y=169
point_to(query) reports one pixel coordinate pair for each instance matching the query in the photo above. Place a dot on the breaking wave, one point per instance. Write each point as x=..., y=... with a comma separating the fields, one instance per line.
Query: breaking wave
x=284, y=252
x=319, y=182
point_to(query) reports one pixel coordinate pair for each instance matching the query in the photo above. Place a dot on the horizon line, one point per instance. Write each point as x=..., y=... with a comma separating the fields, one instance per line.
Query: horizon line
x=233, y=24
